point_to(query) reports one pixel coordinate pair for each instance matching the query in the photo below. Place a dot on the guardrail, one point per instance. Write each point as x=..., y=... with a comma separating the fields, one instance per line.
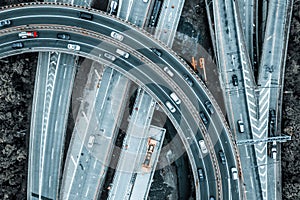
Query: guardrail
x=177, y=57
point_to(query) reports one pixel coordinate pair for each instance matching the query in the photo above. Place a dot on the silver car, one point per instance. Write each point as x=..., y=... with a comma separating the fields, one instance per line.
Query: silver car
x=117, y=36
x=109, y=56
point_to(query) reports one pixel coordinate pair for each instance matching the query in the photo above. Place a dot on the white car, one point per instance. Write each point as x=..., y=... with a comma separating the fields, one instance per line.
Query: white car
x=74, y=47
x=117, y=36
x=109, y=56
x=241, y=126
x=168, y=71
x=203, y=146
x=170, y=106
x=122, y=53
x=175, y=98
x=91, y=141
x=145, y=1
x=234, y=173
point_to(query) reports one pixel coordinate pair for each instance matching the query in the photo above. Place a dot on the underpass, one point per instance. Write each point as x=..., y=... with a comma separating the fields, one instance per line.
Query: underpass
x=28, y=42
x=94, y=134
x=132, y=153
x=48, y=127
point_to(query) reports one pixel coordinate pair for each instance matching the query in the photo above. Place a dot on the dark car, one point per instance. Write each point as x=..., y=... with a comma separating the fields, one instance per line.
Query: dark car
x=4, y=23
x=63, y=36
x=84, y=15
x=272, y=116
x=147, y=160
x=235, y=81
x=222, y=157
x=209, y=107
x=188, y=80
x=203, y=117
x=156, y=51
x=151, y=148
x=17, y=45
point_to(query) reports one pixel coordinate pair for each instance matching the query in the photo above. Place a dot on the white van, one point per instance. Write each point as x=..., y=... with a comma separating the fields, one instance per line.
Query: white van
x=122, y=53
x=175, y=98
x=234, y=173
x=241, y=126
x=203, y=146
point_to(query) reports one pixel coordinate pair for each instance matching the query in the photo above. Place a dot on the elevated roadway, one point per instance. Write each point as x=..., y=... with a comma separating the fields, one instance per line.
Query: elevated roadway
x=247, y=13
x=168, y=20
x=67, y=60
x=233, y=60
x=48, y=125
x=270, y=80
x=166, y=59
x=135, y=12
x=183, y=126
x=131, y=157
x=256, y=99
x=94, y=135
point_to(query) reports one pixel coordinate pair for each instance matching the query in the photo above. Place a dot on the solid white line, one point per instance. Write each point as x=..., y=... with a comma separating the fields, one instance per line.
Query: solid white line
x=95, y=163
x=87, y=191
x=251, y=182
x=59, y=100
x=96, y=72
x=129, y=9
x=65, y=73
x=247, y=154
x=84, y=115
x=55, y=126
x=52, y=153
x=50, y=182
x=73, y=160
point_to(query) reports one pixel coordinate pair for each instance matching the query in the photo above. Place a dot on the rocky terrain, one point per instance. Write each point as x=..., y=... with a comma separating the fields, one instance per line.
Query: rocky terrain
x=291, y=110
x=17, y=82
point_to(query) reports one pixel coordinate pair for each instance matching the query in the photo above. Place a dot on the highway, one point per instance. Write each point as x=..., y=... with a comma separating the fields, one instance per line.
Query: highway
x=247, y=11
x=195, y=146
x=133, y=144
x=56, y=153
x=232, y=62
x=49, y=118
x=135, y=12
x=168, y=21
x=133, y=42
x=254, y=101
x=271, y=70
x=86, y=165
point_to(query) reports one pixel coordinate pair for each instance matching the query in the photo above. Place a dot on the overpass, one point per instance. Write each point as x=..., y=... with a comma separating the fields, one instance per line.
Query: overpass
x=87, y=49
